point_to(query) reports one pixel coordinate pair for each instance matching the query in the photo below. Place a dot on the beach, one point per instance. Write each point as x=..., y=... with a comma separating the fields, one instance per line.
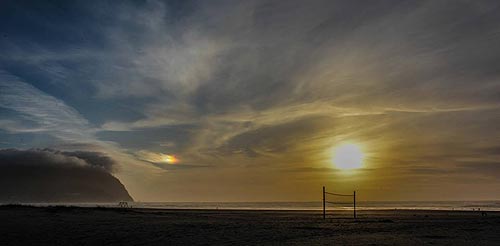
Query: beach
x=27, y=225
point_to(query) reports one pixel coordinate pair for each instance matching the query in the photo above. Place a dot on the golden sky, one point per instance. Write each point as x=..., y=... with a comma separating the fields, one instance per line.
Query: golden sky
x=249, y=101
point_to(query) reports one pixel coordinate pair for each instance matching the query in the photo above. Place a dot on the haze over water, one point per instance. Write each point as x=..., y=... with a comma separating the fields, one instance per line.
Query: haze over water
x=341, y=205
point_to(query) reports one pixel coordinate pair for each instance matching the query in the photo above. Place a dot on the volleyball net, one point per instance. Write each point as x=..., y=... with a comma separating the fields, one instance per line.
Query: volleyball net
x=338, y=200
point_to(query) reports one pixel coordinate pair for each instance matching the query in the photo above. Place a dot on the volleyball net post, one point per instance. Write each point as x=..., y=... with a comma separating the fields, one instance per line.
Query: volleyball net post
x=324, y=204
x=354, y=203
x=325, y=201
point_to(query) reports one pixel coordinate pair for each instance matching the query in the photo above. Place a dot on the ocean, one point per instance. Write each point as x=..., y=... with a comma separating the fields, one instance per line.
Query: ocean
x=314, y=205
x=317, y=205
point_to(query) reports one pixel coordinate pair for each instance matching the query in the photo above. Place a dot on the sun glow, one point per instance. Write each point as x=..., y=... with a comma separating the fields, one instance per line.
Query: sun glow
x=170, y=159
x=348, y=156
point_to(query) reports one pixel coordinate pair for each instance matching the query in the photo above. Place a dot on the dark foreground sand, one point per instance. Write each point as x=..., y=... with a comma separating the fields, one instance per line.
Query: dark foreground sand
x=98, y=226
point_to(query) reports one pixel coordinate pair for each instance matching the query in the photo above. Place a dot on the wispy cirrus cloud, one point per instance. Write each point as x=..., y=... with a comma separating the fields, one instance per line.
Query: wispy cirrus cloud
x=47, y=113
x=267, y=86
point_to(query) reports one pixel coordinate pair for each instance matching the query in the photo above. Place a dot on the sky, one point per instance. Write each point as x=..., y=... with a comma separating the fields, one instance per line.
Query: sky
x=248, y=100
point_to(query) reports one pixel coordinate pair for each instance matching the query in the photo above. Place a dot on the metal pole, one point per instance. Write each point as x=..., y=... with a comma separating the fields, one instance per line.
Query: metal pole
x=324, y=207
x=354, y=204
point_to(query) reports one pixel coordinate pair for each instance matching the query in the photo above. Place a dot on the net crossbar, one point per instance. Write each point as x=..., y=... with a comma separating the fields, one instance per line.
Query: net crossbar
x=336, y=194
x=339, y=203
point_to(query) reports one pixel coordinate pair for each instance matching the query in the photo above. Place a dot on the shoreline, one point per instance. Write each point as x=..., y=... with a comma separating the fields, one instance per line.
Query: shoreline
x=343, y=210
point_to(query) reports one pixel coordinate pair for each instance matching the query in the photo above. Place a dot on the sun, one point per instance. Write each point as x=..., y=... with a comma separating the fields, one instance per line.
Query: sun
x=348, y=156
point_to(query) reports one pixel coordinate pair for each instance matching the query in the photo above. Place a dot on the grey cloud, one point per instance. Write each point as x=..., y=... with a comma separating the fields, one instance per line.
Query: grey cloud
x=408, y=56
x=278, y=138
x=39, y=114
x=386, y=54
x=483, y=169
x=51, y=157
x=182, y=166
x=489, y=169
x=151, y=138
x=95, y=159
x=227, y=57
x=49, y=113
x=416, y=81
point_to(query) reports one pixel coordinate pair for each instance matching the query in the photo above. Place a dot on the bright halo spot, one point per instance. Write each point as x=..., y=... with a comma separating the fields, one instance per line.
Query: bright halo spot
x=170, y=159
x=348, y=156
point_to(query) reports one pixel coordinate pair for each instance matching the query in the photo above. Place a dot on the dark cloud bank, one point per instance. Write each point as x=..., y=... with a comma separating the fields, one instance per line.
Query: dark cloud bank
x=47, y=175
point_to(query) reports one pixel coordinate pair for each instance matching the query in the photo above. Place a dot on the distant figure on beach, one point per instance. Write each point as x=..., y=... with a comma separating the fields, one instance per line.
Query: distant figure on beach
x=123, y=204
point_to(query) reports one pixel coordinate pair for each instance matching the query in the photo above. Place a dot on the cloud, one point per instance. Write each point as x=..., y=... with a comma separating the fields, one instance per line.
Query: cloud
x=278, y=138
x=283, y=83
x=166, y=161
x=48, y=113
x=32, y=112
x=261, y=83
x=51, y=157
x=156, y=157
x=355, y=68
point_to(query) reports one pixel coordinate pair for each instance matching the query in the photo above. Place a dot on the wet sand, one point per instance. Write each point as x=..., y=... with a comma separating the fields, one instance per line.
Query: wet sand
x=21, y=225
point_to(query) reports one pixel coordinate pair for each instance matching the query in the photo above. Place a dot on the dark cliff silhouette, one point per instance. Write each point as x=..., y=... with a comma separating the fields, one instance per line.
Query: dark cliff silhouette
x=54, y=176
x=49, y=184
